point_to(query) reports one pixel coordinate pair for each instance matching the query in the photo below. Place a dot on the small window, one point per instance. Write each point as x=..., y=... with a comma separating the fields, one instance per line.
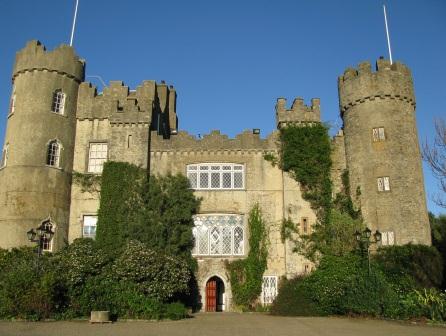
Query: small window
x=387, y=238
x=4, y=156
x=58, y=105
x=307, y=269
x=12, y=103
x=89, y=226
x=269, y=289
x=53, y=154
x=304, y=226
x=47, y=244
x=97, y=155
x=378, y=134
x=383, y=183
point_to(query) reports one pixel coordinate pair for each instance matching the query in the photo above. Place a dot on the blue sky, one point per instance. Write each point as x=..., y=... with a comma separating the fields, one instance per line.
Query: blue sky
x=230, y=60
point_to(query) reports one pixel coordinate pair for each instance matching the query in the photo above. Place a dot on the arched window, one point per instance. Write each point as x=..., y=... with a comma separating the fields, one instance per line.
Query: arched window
x=45, y=243
x=4, y=156
x=58, y=102
x=218, y=235
x=53, y=153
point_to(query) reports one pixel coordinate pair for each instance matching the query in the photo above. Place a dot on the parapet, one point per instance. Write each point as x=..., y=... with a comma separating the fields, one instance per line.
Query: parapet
x=299, y=112
x=62, y=60
x=388, y=81
x=215, y=141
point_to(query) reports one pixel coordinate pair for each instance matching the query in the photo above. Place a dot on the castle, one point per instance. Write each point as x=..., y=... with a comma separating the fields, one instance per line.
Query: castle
x=59, y=124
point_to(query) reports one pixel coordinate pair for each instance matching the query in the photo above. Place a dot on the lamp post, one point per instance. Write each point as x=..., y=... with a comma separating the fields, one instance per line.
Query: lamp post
x=41, y=234
x=364, y=240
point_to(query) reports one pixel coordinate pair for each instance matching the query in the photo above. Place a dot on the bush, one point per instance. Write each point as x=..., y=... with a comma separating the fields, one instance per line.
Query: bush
x=340, y=285
x=420, y=264
x=157, y=275
x=293, y=300
x=29, y=287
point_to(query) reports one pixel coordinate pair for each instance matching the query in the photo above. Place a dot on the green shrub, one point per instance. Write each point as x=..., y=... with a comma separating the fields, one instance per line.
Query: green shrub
x=29, y=287
x=418, y=263
x=175, y=311
x=157, y=275
x=293, y=300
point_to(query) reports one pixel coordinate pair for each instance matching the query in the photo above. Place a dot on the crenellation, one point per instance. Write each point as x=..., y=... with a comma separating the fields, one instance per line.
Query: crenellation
x=299, y=112
x=62, y=60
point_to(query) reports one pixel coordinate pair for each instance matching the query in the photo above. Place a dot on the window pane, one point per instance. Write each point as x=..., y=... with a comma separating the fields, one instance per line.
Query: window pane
x=238, y=180
x=381, y=134
x=215, y=241
x=203, y=240
x=380, y=184
x=89, y=226
x=192, y=179
x=204, y=180
x=195, y=234
x=238, y=240
x=391, y=238
x=386, y=183
x=227, y=180
x=269, y=289
x=226, y=240
x=97, y=156
x=215, y=180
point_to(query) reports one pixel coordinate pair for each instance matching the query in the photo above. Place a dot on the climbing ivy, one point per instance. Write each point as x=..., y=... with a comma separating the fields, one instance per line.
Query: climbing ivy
x=343, y=201
x=306, y=155
x=246, y=275
x=88, y=182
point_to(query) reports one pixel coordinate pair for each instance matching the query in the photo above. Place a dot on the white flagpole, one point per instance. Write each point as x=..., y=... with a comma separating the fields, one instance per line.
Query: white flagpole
x=387, y=33
x=74, y=24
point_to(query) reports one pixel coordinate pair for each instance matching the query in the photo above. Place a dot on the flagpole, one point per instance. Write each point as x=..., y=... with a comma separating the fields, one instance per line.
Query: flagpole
x=74, y=24
x=387, y=33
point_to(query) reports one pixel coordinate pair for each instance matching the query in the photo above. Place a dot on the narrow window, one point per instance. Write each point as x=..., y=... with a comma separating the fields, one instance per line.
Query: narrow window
x=4, y=156
x=304, y=226
x=383, y=183
x=269, y=289
x=89, y=226
x=53, y=154
x=378, y=134
x=97, y=155
x=129, y=140
x=12, y=103
x=58, y=104
x=307, y=268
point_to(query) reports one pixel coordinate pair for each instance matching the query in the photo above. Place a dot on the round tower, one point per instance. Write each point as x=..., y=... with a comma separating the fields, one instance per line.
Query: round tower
x=35, y=176
x=382, y=151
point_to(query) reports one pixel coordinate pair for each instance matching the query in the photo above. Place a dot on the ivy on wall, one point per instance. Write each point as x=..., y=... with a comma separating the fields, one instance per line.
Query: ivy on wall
x=156, y=211
x=246, y=275
x=88, y=182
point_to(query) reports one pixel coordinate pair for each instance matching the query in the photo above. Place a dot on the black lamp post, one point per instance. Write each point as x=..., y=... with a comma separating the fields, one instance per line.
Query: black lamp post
x=41, y=234
x=364, y=241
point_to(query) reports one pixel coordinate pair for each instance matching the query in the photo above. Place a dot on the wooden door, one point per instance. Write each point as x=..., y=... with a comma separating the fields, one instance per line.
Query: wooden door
x=211, y=296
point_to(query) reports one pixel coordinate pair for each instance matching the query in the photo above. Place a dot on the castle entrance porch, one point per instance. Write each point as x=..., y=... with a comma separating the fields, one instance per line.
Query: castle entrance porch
x=215, y=292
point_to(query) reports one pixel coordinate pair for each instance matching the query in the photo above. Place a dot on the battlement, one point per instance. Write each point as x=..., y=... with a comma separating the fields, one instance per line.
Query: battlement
x=121, y=105
x=388, y=81
x=299, y=112
x=62, y=60
x=215, y=141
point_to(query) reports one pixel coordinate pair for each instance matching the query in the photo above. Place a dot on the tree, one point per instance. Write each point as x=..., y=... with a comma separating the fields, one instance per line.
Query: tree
x=435, y=156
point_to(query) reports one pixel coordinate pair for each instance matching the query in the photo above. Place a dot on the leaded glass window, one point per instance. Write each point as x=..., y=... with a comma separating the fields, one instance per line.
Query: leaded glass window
x=387, y=238
x=216, y=176
x=378, y=134
x=45, y=243
x=269, y=289
x=218, y=235
x=383, y=183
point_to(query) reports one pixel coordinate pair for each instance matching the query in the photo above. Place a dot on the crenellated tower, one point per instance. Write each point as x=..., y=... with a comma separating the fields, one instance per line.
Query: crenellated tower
x=382, y=150
x=299, y=112
x=36, y=178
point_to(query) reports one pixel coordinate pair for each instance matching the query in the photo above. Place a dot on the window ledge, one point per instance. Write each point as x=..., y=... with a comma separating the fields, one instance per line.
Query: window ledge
x=59, y=114
x=54, y=167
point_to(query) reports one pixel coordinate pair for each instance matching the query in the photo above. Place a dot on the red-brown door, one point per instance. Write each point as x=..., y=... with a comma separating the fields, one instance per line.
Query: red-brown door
x=211, y=296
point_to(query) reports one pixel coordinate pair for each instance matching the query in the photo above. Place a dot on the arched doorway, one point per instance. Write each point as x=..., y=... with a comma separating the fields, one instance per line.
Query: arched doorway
x=215, y=290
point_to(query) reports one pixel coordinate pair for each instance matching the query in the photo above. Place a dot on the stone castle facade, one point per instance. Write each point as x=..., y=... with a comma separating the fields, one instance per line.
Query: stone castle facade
x=59, y=124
